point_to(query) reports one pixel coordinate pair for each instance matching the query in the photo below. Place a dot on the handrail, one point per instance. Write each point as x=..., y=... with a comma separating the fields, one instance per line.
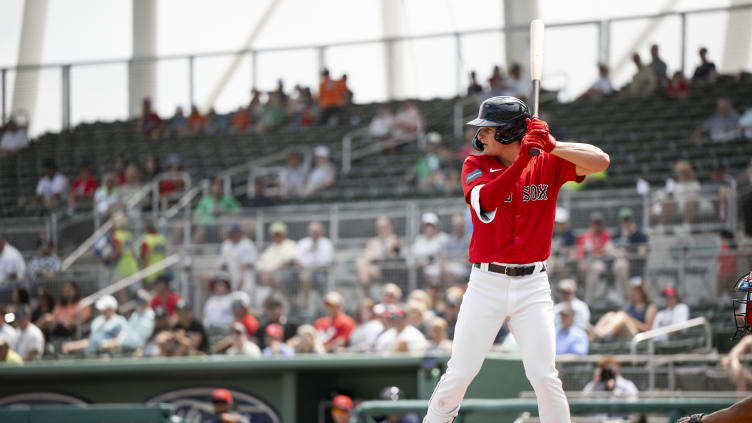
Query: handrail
x=369, y=409
x=676, y=327
x=84, y=247
x=122, y=284
x=349, y=153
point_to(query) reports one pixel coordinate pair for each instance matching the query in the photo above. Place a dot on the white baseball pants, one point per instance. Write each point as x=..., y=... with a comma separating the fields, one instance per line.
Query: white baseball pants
x=489, y=299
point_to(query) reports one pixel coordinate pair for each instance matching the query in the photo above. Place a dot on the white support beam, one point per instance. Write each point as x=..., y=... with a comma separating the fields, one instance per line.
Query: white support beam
x=26, y=84
x=738, y=38
x=142, y=76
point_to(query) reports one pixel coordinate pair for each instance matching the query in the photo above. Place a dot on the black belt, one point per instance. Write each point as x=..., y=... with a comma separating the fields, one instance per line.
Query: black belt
x=511, y=271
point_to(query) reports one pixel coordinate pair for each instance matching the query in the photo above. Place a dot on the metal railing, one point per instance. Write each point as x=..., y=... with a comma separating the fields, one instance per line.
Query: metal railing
x=651, y=335
x=122, y=284
x=358, y=144
x=602, y=43
x=675, y=407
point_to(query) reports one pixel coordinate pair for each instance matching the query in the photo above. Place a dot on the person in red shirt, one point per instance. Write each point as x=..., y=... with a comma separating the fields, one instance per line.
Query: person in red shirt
x=678, y=88
x=335, y=328
x=511, y=188
x=84, y=186
x=150, y=124
x=241, y=305
x=594, y=254
x=163, y=296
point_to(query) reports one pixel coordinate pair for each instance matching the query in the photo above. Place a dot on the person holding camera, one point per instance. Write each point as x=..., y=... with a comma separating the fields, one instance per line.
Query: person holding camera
x=607, y=378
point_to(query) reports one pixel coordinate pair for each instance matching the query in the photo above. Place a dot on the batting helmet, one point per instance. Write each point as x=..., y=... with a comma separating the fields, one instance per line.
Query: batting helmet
x=741, y=307
x=507, y=114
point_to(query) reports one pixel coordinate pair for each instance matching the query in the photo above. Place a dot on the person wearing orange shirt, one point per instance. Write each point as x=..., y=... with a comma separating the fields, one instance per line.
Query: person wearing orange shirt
x=196, y=121
x=331, y=98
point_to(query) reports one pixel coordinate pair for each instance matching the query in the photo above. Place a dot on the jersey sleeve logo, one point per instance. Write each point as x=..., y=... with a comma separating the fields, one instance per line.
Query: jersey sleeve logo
x=473, y=176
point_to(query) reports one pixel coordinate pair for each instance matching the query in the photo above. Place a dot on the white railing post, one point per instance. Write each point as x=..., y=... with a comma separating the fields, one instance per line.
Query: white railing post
x=346, y=153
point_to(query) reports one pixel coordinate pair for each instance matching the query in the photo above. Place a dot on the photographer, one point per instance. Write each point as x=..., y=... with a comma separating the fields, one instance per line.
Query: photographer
x=607, y=378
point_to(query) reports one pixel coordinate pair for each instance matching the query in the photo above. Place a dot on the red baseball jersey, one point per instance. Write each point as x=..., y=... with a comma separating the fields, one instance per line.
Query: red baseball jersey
x=519, y=231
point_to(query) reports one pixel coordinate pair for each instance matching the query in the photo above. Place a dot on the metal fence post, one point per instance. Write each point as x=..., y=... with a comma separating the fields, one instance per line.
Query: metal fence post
x=458, y=41
x=191, y=92
x=604, y=42
x=683, y=41
x=3, y=75
x=66, y=96
x=321, y=57
x=254, y=69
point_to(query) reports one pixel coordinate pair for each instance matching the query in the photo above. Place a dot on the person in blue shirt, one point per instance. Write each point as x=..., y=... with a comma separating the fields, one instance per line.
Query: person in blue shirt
x=570, y=339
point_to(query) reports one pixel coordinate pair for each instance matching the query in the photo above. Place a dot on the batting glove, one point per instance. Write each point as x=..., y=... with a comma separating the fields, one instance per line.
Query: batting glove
x=530, y=141
x=539, y=128
x=694, y=418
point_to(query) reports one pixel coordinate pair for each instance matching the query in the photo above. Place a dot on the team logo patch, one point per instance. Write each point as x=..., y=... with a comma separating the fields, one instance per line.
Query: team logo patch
x=473, y=176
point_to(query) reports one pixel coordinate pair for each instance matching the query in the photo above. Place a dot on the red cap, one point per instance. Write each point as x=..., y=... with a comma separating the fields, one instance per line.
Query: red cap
x=275, y=330
x=668, y=292
x=222, y=395
x=343, y=402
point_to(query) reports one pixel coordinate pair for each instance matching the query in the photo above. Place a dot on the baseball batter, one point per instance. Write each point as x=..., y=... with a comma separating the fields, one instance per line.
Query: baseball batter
x=512, y=195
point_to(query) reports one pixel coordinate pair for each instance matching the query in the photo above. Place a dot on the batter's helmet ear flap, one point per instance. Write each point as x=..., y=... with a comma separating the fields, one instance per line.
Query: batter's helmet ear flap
x=476, y=142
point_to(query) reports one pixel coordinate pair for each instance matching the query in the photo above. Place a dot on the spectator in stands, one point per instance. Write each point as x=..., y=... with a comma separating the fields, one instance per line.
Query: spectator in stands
x=218, y=307
x=84, y=187
x=131, y=186
x=391, y=294
x=744, y=190
x=323, y=175
x=453, y=264
x=314, y=257
x=426, y=173
x=686, y=194
x=451, y=308
x=64, y=317
x=675, y=311
x=401, y=336
x=163, y=296
x=594, y=251
x=7, y=355
x=45, y=304
x=601, y=87
x=222, y=403
x=307, y=341
x=294, y=178
x=630, y=249
x=607, y=378
x=241, y=121
x=415, y=311
x=723, y=125
x=334, y=328
x=152, y=168
x=173, y=181
x=19, y=296
x=383, y=247
x=705, y=72
x=213, y=205
x=124, y=254
x=106, y=326
x=238, y=256
x=496, y=80
x=152, y=251
x=438, y=342
x=149, y=124
x=570, y=338
x=107, y=197
x=678, y=88
x=658, y=66
x=47, y=263
x=188, y=332
x=382, y=124
x=348, y=95
x=644, y=82
x=275, y=265
x=276, y=314
x=473, y=87
x=216, y=124
x=52, y=186
x=428, y=244
x=408, y=124
x=745, y=124
x=12, y=264
x=161, y=325
x=738, y=375
x=562, y=246
x=567, y=290
x=636, y=317
x=119, y=165
x=29, y=340
x=240, y=345
x=272, y=113
x=275, y=347
x=178, y=124
x=331, y=99
x=422, y=297
x=342, y=407
x=5, y=328
x=13, y=138
x=515, y=85
x=140, y=325
x=368, y=328
x=196, y=121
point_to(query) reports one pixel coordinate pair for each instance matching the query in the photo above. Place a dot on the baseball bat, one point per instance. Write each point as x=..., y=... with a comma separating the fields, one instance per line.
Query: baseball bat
x=536, y=66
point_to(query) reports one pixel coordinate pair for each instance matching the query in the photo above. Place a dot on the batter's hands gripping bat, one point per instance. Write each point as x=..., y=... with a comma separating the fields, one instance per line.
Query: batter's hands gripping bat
x=536, y=66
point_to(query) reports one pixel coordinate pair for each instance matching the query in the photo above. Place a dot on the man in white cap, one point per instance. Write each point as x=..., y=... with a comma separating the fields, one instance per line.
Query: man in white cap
x=323, y=175
x=429, y=243
x=567, y=294
x=29, y=341
x=104, y=327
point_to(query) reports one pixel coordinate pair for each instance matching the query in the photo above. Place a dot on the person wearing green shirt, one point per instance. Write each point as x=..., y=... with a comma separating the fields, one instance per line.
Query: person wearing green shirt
x=216, y=204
